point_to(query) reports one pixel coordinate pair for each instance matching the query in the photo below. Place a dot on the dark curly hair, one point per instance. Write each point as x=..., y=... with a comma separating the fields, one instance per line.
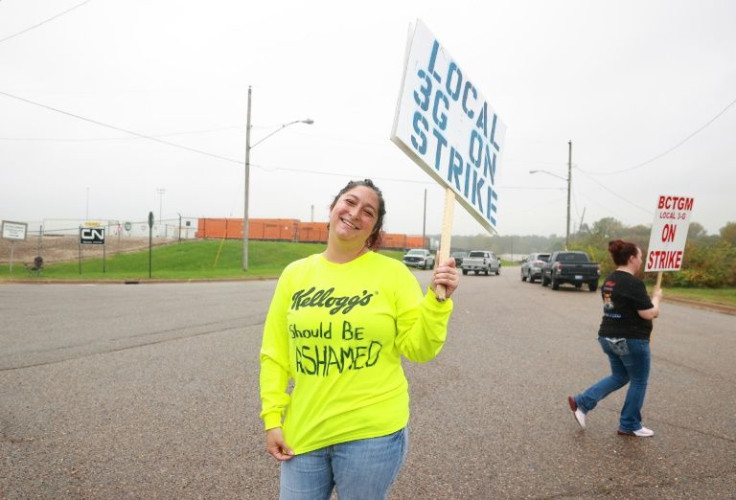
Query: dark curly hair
x=621, y=251
x=374, y=240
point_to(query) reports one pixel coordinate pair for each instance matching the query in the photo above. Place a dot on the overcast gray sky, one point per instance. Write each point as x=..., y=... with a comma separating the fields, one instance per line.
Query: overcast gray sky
x=645, y=90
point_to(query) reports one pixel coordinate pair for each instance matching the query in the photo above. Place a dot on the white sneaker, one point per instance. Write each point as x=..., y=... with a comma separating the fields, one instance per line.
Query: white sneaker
x=576, y=412
x=642, y=433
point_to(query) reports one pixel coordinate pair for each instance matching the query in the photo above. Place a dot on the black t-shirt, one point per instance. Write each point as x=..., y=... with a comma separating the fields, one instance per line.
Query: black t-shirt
x=623, y=295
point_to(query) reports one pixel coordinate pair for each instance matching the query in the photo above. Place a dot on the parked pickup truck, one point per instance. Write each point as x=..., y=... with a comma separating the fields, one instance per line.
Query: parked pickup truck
x=419, y=257
x=574, y=268
x=481, y=261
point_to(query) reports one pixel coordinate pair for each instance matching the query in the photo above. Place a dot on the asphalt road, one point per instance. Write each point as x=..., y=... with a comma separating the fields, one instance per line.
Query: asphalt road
x=151, y=391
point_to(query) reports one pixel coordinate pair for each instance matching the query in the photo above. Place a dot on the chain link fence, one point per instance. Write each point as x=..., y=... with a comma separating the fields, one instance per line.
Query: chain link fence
x=60, y=241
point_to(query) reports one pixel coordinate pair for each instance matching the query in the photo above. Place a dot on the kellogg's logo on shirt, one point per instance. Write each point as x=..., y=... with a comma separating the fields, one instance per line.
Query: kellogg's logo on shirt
x=324, y=298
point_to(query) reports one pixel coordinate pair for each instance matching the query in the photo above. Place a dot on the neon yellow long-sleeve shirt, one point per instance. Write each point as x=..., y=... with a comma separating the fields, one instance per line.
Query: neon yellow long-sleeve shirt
x=338, y=331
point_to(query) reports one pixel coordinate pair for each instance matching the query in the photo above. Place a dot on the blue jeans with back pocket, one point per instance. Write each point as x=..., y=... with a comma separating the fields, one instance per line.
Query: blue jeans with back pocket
x=630, y=361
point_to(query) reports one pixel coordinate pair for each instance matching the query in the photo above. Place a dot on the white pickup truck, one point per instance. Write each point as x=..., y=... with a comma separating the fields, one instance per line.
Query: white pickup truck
x=419, y=257
x=481, y=261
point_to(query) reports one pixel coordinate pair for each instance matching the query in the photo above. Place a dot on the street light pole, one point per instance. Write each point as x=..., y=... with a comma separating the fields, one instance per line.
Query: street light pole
x=248, y=147
x=569, y=189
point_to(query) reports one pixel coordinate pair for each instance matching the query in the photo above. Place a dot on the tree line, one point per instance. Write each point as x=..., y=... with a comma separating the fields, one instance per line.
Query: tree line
x=710, y=260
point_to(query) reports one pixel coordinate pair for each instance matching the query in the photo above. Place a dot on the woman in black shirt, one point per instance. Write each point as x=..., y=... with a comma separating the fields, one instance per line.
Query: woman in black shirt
x=624, y=336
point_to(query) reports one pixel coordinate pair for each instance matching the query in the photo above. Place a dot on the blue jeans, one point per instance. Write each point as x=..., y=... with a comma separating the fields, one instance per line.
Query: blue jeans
x=630, y=361
x=362, y=469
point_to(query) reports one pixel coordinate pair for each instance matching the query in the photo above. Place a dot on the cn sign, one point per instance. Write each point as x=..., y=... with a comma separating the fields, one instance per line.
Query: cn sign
x=669, y=233
x=92, y=235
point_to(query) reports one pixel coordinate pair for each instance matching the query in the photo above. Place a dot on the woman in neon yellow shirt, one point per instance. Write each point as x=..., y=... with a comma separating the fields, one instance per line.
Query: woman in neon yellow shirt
x=338, y=325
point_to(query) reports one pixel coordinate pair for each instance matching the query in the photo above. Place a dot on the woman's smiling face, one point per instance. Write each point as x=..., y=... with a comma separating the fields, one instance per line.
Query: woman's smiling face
x=355, y=214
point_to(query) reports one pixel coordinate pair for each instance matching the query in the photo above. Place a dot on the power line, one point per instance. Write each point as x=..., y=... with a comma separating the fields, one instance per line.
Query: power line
x=186, y=148
x=44, y=22
x=614, y=194
x=718, y=115
x=120, y=129
x=119, y=138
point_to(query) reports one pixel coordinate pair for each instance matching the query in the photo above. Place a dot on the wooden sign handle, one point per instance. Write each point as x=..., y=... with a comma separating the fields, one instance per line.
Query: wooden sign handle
x=659, y=283
x=446, y=237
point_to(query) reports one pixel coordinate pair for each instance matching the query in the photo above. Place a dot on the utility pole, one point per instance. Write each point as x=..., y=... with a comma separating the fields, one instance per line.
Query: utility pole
x=569, y=189
x=569, y=183
x=247, y=179
x=582, y=217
